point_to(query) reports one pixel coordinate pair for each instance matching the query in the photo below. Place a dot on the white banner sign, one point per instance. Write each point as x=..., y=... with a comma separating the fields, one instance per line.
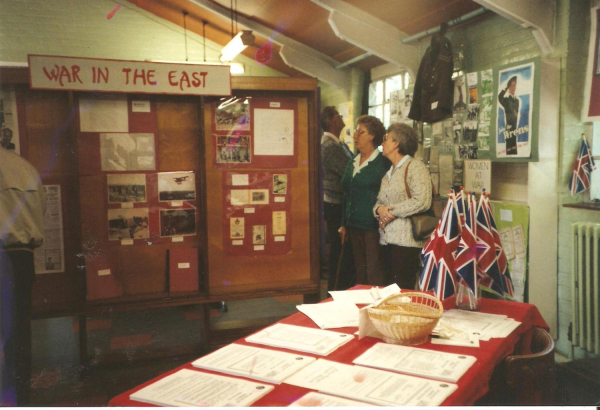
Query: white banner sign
x=85, y=74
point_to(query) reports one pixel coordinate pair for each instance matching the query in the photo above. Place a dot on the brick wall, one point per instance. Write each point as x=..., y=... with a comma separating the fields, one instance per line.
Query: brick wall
x=84, y=28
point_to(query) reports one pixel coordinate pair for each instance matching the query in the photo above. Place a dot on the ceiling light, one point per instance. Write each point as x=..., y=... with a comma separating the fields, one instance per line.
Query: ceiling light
x=237, y=44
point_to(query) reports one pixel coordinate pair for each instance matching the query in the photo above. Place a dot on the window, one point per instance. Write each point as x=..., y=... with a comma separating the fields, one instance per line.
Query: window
x=379, y=95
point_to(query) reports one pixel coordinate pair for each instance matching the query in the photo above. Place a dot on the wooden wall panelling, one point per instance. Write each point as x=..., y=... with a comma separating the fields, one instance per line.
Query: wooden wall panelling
x=49, y=130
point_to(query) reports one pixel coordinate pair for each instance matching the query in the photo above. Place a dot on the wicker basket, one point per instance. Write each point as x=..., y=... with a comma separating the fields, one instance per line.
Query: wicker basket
x=406, y=318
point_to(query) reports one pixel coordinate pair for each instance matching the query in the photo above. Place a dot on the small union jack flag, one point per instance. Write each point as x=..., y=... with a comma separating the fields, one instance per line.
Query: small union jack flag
x=501, y=259
x=461, y=207
x=584, y=165
x=438, y=254
x=466, y=254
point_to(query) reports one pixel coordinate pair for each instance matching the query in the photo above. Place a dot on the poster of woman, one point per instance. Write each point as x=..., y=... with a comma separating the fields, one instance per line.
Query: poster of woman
x=514, y=115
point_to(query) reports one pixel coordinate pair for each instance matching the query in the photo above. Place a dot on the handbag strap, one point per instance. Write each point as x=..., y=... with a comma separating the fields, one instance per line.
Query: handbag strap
x=406, y=183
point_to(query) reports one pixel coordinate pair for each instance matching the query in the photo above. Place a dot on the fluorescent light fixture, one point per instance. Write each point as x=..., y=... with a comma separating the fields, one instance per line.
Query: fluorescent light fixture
x=237, y=44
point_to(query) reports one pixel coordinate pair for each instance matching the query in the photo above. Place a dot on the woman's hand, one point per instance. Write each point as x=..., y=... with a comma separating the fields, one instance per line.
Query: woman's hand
x=385, y=217
x=342, y=233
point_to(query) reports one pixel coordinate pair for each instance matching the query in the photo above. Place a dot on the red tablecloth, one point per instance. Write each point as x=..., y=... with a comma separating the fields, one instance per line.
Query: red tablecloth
x=471, y=386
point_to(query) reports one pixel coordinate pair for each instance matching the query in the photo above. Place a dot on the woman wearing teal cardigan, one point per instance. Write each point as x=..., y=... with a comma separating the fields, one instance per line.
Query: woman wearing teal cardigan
x=361, y=182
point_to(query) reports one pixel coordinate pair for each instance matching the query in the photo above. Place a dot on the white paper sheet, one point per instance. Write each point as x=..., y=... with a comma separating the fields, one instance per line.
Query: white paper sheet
x=108, y=114
x=357, y=296
x=50, y=257
x=273, y=132
x=331, y=315
x=314, y=399
x=303, y=339
x=193, y=388
x=371, y=385
x=483, y=325
x=261, y=364
x=417, y=362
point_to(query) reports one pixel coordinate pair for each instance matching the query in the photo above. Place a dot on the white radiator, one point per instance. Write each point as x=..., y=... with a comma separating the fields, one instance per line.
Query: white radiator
x=585, y=289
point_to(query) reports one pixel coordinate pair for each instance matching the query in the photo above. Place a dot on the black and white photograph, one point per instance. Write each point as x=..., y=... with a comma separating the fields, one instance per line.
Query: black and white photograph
x=123, y=188
x=177, y=222
x=457, y=133
x=233, y=149
x=457, y=120
x=128, y=224
x=176, y=186
x=470, y=131
x=466, y=151
x=280, y=184
x=127, y=152
x=259, y=196
x=233, y=115
x=460, y=91
x=472, y=112
x=258, y=234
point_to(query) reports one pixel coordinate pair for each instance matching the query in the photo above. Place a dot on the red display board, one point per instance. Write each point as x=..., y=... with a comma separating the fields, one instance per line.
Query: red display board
x=257, y=219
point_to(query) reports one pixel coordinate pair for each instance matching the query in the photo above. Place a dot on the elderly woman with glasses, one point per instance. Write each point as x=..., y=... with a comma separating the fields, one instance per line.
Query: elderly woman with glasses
x=360, y=183
x=393, y=206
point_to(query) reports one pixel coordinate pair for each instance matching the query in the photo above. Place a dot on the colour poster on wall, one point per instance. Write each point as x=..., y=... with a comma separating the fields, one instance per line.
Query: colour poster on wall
x=514, y=111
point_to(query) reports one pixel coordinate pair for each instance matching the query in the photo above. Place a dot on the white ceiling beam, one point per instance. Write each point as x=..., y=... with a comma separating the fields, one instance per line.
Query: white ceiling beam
x=538, y=15
x=371, y=34
x=295, y=54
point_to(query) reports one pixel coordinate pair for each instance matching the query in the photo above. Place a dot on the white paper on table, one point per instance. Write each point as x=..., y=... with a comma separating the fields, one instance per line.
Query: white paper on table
x=387, y=291
x=303, y=339
x=106, y=114
x=371, y=385
x=252, y=362
x=484, y=325
x=314, y=399
x=357, y=296
x=331, y=315
x=273, y=132
x=417, y=362
x=190, y=387
x=366, y=328
x=363, y=296
x=472, y=341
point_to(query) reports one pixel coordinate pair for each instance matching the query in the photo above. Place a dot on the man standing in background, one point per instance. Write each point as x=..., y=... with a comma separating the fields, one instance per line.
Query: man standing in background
x=334, y=158
x=22, y=206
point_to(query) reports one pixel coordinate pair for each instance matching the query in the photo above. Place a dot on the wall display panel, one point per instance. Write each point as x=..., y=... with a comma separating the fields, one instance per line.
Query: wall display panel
x=257, y=208
x=143, y=214
x=250, y=213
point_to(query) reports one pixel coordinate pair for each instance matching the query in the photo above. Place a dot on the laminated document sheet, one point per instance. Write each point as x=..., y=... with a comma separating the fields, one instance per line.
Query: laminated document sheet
x=193, y=388
x=371, y=385
x=303, y=339
x=314, y=399
x=260, y=364
x=417, y=362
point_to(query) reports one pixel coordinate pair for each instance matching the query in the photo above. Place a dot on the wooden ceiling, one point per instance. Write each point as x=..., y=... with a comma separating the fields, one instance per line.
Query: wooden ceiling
x=307, y=22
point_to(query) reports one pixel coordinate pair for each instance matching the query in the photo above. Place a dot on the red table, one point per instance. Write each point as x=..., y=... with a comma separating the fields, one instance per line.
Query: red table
x=471, y=386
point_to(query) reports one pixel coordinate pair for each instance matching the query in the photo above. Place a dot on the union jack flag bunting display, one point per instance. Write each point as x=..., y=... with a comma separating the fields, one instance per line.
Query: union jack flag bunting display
x=466, y=254
x=500, y=255
x=438, y=254
x=584, y=165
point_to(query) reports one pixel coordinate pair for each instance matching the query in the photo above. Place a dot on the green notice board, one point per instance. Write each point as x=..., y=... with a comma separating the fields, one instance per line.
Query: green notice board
x=512, y=221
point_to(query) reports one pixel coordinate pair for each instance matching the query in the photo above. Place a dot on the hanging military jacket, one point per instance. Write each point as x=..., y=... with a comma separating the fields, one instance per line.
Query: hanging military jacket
x=432, y=97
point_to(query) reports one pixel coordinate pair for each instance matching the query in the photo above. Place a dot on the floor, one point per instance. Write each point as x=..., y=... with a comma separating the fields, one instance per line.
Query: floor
x=127, y=349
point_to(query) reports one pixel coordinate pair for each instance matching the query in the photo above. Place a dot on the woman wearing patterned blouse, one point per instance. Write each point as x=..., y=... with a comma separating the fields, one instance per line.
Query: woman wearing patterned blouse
x=360, y=184
x=393, y=207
